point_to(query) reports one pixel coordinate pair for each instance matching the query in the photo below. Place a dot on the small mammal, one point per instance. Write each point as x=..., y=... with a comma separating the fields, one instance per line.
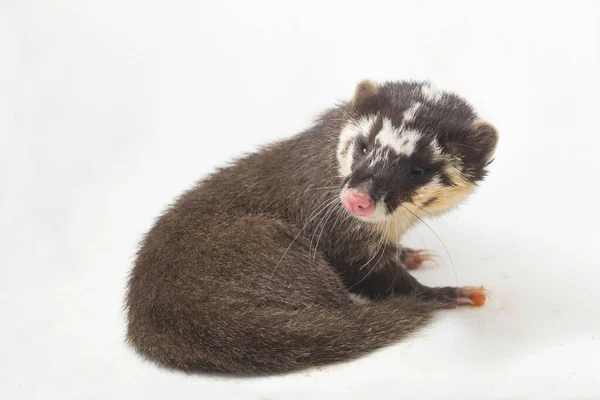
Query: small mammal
x=291, y=256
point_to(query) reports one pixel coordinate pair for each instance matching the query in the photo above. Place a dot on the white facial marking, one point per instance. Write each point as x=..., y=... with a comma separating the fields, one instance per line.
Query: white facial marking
x=409, y=115
x=377, y=156
x=349, y=133
x=411, y=139
x=364, y=124
x=345, y=160
x=379, y=214
x=430, y=93
x=402, y=142
x=436, y=150
x=436, y=181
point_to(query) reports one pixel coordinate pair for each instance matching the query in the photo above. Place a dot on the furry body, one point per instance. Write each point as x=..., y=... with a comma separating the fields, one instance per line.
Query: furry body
x=252, y=270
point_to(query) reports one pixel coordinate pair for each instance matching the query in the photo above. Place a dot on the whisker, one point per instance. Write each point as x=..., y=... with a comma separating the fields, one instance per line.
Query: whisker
x=337, y=218
x=379, y=245
x=374, y=266
x=391, y=287
x=307, y=190
x=440, y=239
x=317, y=228
x=238, y=196
x=297, y=235
x=370, y=259
x=422, y=209
x=333, y=209
x=323, y=187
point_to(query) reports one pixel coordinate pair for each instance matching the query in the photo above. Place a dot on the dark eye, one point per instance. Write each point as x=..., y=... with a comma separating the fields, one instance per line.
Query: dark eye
x=417, y=172
x=361, y=147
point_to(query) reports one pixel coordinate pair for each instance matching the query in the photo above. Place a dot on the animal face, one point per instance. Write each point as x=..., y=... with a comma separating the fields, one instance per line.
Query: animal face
x=408, y=146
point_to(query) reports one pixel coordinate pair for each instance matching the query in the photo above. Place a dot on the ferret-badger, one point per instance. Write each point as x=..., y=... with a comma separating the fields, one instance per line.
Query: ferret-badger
x=291, y=256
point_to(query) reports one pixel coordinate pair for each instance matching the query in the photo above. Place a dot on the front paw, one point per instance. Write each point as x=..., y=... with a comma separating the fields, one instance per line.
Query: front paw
x=413, y=259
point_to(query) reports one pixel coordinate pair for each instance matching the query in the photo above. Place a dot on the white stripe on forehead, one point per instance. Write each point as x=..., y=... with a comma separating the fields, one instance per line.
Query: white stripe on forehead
x=403, y=143
x=378, y=156
x=430, y=93
x=355, y=128
x=409, y=115
x=364, y=124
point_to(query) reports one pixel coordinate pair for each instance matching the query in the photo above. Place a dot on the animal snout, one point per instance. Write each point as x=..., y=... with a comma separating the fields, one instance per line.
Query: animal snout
x=357, y=202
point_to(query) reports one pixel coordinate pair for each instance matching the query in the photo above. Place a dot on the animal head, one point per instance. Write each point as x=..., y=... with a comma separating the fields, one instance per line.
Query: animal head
x=407, y=145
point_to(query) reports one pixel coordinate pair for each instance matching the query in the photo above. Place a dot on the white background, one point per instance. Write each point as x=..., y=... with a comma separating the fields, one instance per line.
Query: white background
x=109, y=109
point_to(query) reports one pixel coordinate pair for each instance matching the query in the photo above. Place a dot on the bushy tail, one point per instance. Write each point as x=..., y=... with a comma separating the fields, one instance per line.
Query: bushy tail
x=268, y=340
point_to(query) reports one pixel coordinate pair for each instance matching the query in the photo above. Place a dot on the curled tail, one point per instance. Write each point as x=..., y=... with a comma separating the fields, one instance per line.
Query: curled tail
x=270, y=340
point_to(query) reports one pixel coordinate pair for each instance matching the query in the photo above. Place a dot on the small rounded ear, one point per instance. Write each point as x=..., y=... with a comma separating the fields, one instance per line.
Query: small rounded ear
x=484, y=139
x=364, y=91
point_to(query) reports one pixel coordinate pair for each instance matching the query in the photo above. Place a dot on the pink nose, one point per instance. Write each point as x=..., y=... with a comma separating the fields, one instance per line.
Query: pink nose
x=357, y=202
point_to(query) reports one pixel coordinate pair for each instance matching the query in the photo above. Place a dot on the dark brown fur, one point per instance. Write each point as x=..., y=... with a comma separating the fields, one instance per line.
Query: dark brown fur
x=250, y=271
